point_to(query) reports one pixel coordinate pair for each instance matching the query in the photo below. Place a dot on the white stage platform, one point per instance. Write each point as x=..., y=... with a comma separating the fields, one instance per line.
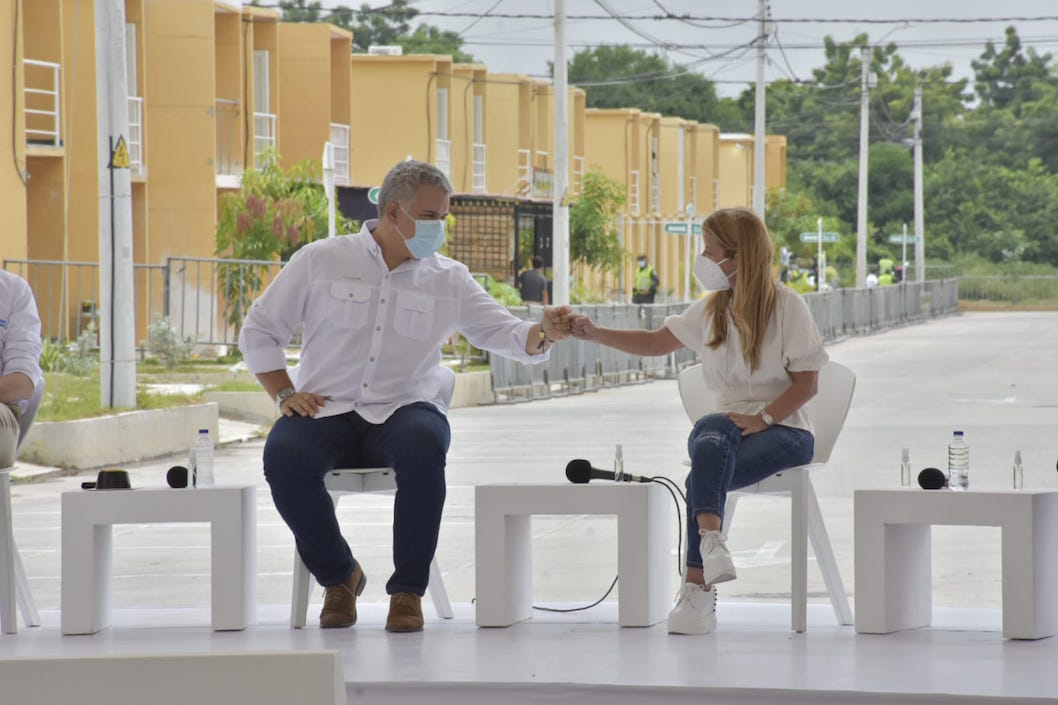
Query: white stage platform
x=586, y=658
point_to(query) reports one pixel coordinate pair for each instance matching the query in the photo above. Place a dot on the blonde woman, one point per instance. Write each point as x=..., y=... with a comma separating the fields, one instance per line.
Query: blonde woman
x=761, y=354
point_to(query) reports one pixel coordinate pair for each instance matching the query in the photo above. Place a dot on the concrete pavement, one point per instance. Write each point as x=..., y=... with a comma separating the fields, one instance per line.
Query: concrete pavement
x=991, y=375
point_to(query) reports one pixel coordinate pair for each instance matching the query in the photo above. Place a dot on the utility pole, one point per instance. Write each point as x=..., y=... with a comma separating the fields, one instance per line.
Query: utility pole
x=117, y=322
x=920, y=225
x=861, y=209
x=560, y=206
x=758, y=115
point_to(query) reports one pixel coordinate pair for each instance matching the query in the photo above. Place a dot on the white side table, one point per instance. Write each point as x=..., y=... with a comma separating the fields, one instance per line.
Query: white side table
x=503, y=546
x=87, y=548
x=892, y=555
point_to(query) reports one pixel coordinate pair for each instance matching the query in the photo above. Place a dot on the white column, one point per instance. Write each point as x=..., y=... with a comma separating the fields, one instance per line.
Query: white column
x=758, y=116
x=861, y=210
x=117, y=322
x=560, y=209
x=920, y=226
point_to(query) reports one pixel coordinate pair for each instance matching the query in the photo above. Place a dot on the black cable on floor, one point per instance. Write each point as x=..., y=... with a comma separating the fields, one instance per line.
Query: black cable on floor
x=674, y=490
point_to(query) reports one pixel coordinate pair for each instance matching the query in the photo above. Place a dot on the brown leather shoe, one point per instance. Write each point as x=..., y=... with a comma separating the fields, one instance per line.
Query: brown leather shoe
x=405, y=613
x=339, y=601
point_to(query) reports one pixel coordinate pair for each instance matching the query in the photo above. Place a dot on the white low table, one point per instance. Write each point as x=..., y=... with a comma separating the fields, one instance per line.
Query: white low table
x=892, y=552
x=503, y=546
x=88, y=517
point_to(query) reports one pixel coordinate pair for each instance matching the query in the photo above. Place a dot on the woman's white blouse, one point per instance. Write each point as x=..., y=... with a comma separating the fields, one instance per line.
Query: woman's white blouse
x=791, y=344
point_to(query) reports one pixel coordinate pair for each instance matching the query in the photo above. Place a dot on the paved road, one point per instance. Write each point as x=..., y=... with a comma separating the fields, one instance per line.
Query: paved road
x=990, y=375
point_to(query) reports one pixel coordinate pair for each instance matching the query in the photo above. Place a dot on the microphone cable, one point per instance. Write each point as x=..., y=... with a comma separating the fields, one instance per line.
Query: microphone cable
x=677, y=494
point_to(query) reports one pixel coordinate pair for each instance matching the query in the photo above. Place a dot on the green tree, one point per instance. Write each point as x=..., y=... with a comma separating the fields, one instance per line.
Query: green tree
x=273, y=214
x=593, y=222
x=621, y=77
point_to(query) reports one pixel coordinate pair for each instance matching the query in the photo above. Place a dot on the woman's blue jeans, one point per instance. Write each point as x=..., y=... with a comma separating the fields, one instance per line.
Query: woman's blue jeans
x=722, y=459
x=299, y=452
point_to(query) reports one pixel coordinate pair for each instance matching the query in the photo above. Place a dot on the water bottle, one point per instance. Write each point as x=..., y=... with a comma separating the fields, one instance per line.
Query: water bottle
x=905, y=468
x=1019, y=471
x=958, y=462
x=200, y=469
x=618, y=464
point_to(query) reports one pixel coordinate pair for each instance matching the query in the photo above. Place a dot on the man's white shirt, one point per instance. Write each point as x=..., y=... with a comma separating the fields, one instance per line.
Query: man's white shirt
x=371, y=338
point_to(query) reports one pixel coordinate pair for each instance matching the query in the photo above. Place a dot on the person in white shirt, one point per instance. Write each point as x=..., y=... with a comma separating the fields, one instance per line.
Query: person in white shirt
x=761, y=353
x=375, y=308
x=20, y=347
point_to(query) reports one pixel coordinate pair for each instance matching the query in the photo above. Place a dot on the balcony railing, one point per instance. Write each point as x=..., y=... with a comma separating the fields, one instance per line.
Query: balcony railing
x=444, y=156
x=542, y=160
x=227, y=117
x=578, y=174
x=264, y=134
x=43, y=117
x=135, y=141
x=633, y=191
x=479, y=168
x=525, y=171
x=340, y=140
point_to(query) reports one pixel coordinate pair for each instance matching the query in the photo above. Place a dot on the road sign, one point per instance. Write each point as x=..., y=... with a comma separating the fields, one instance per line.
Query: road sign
x=372, y=194
x=814, y=237
x=898, y=238
x=679, y=227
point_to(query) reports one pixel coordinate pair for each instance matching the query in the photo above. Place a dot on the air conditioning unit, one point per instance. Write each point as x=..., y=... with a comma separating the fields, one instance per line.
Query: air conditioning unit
x=385, y=50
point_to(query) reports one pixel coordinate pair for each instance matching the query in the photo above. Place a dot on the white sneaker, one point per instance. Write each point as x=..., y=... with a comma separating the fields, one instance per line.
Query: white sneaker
x=717, y=566
x=694, y=611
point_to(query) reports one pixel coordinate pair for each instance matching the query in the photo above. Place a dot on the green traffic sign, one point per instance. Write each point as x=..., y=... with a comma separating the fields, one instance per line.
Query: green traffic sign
x=677, y=227
x=897, y=239
x=372, y=194
x=814, y=237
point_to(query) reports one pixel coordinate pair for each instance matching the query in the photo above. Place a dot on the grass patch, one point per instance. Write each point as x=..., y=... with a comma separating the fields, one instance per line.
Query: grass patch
x=78, y=397
x=235, y=386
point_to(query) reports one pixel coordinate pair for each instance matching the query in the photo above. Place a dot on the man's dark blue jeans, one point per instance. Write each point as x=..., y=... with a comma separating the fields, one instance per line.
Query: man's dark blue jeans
x=299, y=452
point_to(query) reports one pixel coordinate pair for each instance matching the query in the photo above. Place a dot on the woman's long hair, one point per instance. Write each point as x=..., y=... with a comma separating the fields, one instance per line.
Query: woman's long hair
x=752, y=299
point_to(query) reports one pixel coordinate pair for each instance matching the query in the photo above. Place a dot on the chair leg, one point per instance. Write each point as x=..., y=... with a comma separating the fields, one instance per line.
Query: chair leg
x=438, y=593
x=8, y=589
x=26, y=603
x=299, y=604
x=729, y=512
x=828, y=565
x=799, y=553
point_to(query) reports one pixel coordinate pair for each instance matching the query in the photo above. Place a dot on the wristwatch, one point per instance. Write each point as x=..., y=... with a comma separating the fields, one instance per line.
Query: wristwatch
x=766, y=417
x=283, y=394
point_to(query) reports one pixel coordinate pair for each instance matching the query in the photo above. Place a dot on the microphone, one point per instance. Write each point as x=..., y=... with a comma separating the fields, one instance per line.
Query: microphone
x=932, y=479
x=580, y=471
x=177, y=476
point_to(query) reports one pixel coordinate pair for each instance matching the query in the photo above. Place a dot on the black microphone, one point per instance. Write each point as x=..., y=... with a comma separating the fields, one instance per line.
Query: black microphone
x=580, y=471
x=177, y=476
x=932, y=479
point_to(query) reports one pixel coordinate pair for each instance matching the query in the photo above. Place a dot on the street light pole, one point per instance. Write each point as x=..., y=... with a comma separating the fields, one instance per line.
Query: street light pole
x=861, y=210
x=920, y=225
x=758, y=116
x=560, y=205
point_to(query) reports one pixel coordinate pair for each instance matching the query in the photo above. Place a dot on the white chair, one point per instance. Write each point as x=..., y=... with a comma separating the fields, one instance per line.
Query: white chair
x=828, y=409
x=13, y=583
x=343, y=482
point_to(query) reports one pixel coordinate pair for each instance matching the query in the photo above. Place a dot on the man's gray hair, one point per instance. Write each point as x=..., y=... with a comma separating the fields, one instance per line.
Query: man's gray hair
x=404, y=179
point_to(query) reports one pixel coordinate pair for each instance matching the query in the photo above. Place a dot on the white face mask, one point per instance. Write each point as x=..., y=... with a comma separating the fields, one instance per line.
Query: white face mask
x=710, y=275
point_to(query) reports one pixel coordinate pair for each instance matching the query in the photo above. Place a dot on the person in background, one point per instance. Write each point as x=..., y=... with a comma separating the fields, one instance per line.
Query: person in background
x=533, y=283
x=375, y=308
x=646, y=284
x=872, y=277
x=20, y=347
x=761, y=354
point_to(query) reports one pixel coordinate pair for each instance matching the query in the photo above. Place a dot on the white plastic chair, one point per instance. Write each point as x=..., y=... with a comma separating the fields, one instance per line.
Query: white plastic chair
x=343, y=482
x=13, y=583
x=827, y=409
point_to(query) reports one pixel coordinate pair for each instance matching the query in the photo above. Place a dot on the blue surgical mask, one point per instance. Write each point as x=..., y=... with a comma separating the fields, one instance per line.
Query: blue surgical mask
x=428, y=238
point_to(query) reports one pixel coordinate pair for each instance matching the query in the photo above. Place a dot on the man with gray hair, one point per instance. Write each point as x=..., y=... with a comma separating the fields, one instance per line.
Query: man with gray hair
x=376, y=308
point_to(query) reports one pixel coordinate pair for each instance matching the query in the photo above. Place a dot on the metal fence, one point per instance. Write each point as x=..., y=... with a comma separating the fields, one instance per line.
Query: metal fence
x=577, y=366
x=205, y=300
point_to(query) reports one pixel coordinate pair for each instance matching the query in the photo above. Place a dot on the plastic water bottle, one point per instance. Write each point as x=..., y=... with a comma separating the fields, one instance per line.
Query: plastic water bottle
x=200, y=469
x=958, y=462
x=618, y=464
x=1019, y=471
x=905, y=468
